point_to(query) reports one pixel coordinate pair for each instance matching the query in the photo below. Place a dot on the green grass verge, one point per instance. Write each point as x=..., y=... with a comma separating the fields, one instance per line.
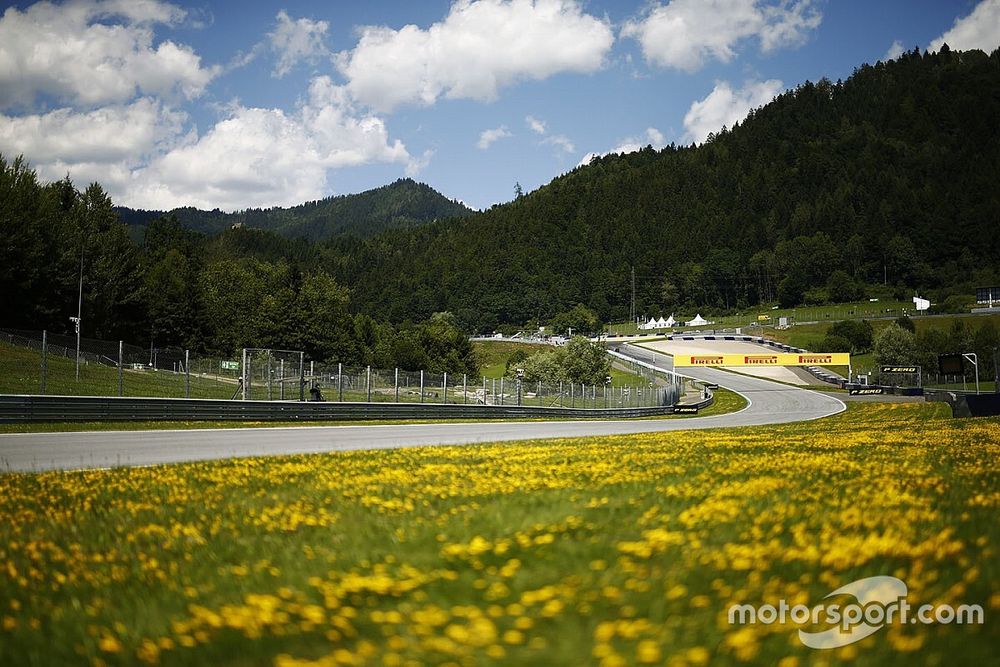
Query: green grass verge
x=20, y=373
x=493, y=355
x=725, y=402
x=619, y=550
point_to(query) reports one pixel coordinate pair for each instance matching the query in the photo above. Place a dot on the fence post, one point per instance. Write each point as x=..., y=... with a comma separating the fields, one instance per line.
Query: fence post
x=539, y=394
x=465, y=388
x=368, y=383
x=269, y=375
x=246, y=374
x=187, y=373
x=302, y=376
x=444, y=388
x=421, y=386
x=396, y=385
x=501, y=392
x=572, y=396
x=281, y=379
x=560, y=393
x=45, y=360
x=340, y=381
x=120, y=383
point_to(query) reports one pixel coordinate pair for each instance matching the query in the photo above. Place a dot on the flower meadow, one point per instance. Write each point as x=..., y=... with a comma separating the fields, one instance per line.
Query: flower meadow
x=613, y=551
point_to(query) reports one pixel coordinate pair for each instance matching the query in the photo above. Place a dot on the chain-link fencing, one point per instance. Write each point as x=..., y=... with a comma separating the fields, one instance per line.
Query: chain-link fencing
x=36, y=362
x=41, y=363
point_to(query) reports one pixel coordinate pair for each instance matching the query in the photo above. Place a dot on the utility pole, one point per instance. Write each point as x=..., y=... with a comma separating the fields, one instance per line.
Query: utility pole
x=79, y=313
x=631, y=312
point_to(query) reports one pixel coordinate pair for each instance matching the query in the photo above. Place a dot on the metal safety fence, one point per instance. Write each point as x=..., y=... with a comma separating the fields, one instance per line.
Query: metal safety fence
x=38, y=363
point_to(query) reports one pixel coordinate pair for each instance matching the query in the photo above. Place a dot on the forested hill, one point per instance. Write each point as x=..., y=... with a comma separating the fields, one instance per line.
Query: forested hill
x=404, y=203
x=890, y=176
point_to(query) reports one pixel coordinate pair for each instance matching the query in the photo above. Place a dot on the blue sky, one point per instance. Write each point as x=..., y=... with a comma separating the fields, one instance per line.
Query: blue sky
x=235, y=105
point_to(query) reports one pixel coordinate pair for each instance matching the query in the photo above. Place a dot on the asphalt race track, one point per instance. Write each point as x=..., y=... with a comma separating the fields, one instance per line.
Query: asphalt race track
x=770, y=403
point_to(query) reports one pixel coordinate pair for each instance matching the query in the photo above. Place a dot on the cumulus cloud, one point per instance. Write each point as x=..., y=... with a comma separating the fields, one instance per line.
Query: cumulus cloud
x=297, y=40
x=488, y=137
x=895, y=51
x=685, y=34
x=726, y=107
x=103, y=145
x=92, y=53
x=561, y=142
x=480, y=47
x=108, y=134
x=266, y=157
x=652, y=137
x=978, y=30
x=536, y=126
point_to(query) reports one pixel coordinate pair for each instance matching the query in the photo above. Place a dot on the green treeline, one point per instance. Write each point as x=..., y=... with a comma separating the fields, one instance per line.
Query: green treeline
x=826, y=194
x=243, y=288
x=834, y=188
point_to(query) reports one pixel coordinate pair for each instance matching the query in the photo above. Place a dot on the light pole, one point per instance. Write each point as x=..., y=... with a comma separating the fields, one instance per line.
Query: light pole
x=79, y=313
x=972, y=357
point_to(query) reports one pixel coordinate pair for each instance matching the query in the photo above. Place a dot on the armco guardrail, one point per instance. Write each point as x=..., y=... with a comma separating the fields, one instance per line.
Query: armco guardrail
x=23, y=408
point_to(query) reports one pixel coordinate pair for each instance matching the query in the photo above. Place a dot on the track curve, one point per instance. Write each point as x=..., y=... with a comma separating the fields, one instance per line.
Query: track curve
x=769, y=403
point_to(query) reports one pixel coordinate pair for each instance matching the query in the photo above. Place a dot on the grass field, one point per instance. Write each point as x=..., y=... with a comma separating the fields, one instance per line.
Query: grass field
x=20, y=373
x=624, y=550
x=494, y=355
x=810, y=337
x=830, y=313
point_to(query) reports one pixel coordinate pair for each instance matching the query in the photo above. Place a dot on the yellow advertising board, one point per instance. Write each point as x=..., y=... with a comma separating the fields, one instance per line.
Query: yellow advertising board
x=776, y=359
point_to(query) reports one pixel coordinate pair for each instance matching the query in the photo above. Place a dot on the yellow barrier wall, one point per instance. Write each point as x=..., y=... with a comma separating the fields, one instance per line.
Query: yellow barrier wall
x=776, y=359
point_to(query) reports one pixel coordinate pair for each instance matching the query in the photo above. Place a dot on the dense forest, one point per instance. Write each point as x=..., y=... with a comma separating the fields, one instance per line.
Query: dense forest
x=404, y=203
x=181, y=288
x=885, y=181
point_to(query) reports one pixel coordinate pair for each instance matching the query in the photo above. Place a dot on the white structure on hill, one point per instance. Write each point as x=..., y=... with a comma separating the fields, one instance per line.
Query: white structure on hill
x=697, y=321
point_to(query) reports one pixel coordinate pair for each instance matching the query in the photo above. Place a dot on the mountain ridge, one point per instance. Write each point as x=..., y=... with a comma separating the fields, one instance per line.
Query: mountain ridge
x=402, y=203
x=886, y=177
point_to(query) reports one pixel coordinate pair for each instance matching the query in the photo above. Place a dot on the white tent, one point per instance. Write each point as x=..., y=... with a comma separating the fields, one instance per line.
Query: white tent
x=671, y=321
x=661, y=323
x=921, y=304
x=698, y=321
x=651, y=324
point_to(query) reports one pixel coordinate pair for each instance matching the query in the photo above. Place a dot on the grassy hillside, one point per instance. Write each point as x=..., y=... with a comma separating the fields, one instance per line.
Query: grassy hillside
x=20, y=373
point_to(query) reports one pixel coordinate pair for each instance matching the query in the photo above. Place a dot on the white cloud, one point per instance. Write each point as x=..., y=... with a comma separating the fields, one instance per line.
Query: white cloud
x=267, y=157
x=537, y=126
x=652, y=137
x=488, y=137
x=684, y=34
x=478, y=48
x=92, y=53
x=978, y=30
x=725, y=106
x=895, y=51
x=297, y=40
x=560, y=141
x=110, y=134
x=102, y=145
